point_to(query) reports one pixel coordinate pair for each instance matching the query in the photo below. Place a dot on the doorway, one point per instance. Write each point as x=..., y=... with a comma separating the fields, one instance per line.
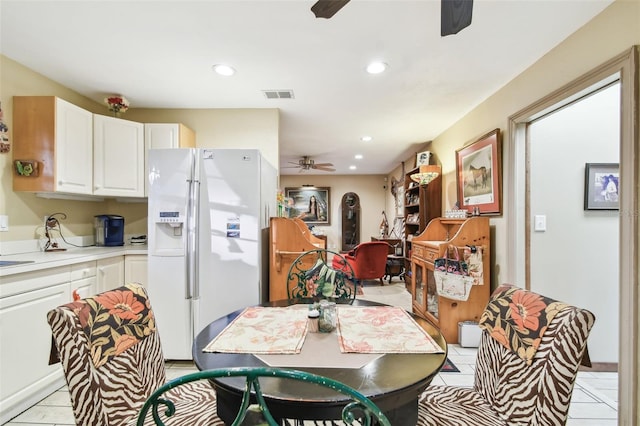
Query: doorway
x=624, y=67
x=573, y=250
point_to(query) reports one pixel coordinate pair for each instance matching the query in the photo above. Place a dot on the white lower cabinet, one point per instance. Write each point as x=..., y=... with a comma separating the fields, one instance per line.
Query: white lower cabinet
x=135, y=269
x=25, y=374
x=83, y=279
x=110, y=273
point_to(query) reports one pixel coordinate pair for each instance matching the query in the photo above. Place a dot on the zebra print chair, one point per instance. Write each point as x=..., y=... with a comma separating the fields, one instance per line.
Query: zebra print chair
x=112, y=360
x=530, y=351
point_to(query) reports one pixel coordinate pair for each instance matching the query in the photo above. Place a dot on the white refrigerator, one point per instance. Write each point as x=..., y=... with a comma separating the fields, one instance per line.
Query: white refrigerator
x=208, y=220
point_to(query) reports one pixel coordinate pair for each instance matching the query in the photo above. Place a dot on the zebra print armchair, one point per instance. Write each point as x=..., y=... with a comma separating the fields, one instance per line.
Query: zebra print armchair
x=112, y=360
x=530, y=351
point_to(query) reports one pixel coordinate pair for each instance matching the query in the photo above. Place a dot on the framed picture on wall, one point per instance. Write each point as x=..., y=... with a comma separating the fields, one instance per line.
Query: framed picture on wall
x=478, y=172
x=310, y=203
x=601, y=182
x=422, y=158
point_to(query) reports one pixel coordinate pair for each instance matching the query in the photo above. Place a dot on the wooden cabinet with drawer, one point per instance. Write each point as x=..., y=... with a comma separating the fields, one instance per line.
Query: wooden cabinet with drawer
x=432, y=244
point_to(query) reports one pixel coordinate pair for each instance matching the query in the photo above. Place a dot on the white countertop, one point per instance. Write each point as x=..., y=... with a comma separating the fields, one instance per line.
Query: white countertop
x=43, y=260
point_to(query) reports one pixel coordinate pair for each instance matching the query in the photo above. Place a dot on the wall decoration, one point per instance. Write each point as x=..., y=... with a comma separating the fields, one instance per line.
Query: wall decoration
x=311, y=204
x=5, y=146
x=601, y=182
x=117, y=104
x=422, y=158
x=27, y=168
x=479, y=181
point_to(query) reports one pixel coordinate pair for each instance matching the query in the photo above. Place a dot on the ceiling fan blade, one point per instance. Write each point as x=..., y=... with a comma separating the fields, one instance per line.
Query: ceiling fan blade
x=323, y=165
x=455, y=15
x=325, y=169
x=327, y=8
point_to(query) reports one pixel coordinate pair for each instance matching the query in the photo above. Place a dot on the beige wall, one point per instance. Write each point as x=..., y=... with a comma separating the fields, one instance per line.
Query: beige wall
x=223, y=128
x=370, y=189
x=238, y=128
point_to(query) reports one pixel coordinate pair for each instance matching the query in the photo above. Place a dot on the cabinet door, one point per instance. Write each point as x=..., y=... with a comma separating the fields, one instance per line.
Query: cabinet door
x=74, y=148
x=110, y=273
x=161, y=135
x=165, y=136
x=135, y=269
x=118, y=164
x=85, y=287
x=25, y=373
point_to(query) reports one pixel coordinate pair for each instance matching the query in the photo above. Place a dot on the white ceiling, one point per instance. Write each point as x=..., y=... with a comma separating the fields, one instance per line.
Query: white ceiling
x=159, y=55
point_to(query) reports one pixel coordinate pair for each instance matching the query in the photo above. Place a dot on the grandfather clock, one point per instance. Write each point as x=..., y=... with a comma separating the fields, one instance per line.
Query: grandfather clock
x=350, y=221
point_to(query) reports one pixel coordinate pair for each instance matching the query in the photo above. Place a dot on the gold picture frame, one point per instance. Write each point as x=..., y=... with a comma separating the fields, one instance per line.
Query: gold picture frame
x=479, y=175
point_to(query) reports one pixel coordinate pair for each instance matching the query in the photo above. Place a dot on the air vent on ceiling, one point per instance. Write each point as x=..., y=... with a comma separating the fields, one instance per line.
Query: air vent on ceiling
x=278, y=94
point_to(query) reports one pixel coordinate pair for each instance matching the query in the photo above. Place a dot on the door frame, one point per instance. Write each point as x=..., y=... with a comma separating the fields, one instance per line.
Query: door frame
x=625, y=68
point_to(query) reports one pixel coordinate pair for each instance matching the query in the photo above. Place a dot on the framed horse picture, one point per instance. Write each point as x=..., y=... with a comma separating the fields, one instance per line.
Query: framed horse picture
x=479, y=175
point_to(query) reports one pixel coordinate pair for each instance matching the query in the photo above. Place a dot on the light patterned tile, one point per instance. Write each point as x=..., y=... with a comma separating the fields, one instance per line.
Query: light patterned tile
x=579, y=395
x=592, y=411
x=592, y=422
x=48, y=415
x=59, y=398
x=457, y=379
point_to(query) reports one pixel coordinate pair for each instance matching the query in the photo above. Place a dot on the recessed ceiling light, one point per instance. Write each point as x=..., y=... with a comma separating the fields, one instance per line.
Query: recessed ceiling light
x=352, y=167
x=376, y=67
x=358, y=156
x=366, y=138
x=224, y=70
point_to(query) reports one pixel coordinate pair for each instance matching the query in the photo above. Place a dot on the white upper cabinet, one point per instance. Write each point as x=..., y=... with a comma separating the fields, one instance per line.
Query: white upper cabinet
x=166, y=135
x=53, y=137
x=119, y=157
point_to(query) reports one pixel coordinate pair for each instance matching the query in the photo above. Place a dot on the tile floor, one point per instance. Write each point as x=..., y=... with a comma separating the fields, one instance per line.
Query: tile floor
x=594, y=401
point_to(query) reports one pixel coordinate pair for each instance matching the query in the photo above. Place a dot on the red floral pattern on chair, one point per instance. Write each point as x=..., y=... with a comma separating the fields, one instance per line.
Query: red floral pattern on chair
x=114, y=321
x=518, y=319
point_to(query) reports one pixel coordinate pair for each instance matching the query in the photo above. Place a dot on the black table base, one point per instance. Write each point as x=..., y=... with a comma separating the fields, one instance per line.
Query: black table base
x=228, y=403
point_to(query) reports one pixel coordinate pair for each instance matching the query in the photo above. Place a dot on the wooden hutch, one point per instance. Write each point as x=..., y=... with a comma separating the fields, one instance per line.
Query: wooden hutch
x=432, y=244
x=422, y=204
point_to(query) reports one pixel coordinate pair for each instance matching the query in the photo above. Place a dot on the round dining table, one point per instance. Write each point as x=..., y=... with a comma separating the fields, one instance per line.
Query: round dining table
x=393, y=381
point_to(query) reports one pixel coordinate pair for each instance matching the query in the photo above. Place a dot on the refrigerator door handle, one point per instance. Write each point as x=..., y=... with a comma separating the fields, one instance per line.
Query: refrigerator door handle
x=192, y=232
x=195, y=209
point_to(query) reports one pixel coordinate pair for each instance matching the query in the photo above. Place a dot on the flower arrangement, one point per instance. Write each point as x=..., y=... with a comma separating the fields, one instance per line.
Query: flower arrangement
x=117, y=104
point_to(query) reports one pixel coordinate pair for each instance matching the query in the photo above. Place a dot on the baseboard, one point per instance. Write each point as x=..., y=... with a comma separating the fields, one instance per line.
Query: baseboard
x=601, y=367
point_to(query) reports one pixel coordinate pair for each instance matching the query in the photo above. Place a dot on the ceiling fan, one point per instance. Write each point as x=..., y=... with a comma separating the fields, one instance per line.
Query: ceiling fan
x=455, y=15
x=306, y=163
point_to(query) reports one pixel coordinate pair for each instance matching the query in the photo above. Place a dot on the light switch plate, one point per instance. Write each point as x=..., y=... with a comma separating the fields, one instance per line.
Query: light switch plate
x=540, y=223
x=4, y=223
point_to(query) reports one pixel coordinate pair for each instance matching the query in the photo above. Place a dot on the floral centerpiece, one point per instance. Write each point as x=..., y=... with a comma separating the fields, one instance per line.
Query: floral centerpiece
x=117, y=104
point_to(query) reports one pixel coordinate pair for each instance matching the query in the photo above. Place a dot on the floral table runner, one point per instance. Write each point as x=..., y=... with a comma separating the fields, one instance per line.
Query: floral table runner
x=382, y=329
x=263, y=330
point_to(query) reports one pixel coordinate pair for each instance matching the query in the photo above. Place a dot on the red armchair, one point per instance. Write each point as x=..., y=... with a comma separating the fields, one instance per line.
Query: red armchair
x=368, y=260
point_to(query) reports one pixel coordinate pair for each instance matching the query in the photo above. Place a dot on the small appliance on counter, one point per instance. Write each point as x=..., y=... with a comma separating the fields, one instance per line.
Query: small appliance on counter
x=109, y=230
x=139, y=240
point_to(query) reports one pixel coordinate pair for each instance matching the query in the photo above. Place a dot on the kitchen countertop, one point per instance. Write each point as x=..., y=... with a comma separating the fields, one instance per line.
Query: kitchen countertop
x=43, y=260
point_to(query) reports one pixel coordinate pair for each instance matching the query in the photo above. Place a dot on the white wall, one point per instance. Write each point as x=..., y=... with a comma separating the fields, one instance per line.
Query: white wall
x=576, y=259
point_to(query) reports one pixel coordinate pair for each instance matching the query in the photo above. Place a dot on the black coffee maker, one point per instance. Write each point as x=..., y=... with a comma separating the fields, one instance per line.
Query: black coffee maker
x=109, y=230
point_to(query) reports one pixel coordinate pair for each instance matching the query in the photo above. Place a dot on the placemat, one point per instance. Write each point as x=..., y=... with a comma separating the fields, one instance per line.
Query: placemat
x=263, y=330
x=320, y=350
x=382, y=329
